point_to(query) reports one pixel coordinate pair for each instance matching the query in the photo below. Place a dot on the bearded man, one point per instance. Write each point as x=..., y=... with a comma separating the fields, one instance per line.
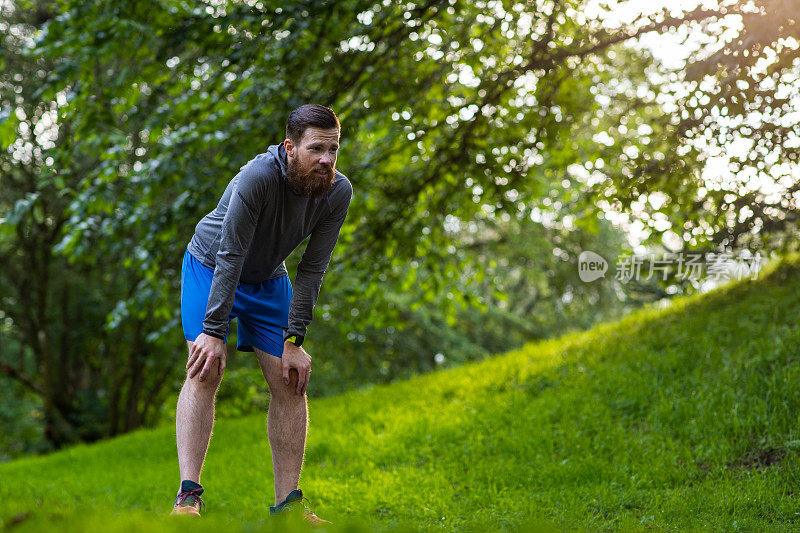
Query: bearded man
x=233, y=267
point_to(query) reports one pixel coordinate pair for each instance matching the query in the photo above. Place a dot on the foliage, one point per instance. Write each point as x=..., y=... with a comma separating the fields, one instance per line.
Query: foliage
x=121, y=123
x=521, y=290
x=741, y=99
x=90, y=380
x=154, y=103
x=495, y=106
x=734, y=105
x=686, y=392
x=20, y=423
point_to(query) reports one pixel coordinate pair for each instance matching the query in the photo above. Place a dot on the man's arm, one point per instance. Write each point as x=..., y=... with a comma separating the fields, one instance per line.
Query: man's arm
x=248, y=195
x=244, y=208
x=312, y=267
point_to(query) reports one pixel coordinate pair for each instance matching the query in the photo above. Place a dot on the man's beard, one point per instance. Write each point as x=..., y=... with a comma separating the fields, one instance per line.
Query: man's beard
x=308, y=182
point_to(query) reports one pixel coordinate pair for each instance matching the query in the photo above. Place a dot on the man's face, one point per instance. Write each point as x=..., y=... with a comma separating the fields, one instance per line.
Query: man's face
x=312, y=161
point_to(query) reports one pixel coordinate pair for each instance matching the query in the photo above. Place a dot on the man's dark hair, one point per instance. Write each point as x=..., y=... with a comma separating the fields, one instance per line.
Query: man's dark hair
x=309, y=115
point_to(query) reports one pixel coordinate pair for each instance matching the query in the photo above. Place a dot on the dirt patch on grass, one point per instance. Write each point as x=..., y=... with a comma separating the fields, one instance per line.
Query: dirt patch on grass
x=759, y=459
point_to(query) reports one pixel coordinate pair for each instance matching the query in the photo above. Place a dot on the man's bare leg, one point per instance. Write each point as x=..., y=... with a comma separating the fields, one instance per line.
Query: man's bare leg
x=194, y=420
x=287, y=425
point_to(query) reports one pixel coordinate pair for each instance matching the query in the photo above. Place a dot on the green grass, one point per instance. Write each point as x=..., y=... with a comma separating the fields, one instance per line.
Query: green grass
x=676, y=419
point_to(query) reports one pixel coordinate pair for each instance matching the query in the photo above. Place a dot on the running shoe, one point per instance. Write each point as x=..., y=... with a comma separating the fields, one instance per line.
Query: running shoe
x=189, y=503
x=295, y=501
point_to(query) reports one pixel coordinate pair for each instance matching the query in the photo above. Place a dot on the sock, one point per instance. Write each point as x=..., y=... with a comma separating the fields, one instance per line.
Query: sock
x=187, y=485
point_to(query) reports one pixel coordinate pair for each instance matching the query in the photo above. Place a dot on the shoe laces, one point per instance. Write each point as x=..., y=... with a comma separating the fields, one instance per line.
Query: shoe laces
x=307, y=508
x=300, y=503
x=194, y=494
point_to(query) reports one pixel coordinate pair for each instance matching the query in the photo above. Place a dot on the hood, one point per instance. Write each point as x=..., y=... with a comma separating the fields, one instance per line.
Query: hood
x=279, y=153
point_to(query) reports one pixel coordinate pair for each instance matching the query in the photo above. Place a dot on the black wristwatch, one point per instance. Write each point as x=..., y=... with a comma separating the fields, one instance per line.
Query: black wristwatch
x=295, y=339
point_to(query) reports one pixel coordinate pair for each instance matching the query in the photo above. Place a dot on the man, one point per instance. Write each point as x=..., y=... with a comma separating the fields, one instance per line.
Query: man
x=234, y=267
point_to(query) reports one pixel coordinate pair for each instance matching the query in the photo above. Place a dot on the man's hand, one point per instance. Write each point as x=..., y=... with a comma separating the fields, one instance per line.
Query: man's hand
x=207, y=355
x=296, y=357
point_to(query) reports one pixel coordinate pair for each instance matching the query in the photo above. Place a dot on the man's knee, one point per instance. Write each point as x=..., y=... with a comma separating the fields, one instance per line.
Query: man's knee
x=212, y=380
x=210, y=384
x=279, y=390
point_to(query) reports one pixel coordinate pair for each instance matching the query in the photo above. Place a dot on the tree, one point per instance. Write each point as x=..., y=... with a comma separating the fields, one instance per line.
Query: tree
x=463, y=111
x=92, y=380
x=733, y=101
x=741, y=99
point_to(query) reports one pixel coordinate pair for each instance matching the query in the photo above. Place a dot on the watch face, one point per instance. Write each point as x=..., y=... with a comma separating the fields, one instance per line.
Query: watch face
x=295, y=339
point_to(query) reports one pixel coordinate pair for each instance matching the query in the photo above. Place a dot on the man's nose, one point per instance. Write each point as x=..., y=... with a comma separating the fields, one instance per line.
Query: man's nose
x=325, y=160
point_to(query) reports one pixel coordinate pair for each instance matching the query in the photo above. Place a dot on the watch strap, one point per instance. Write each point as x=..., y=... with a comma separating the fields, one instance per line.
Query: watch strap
x=295, y=339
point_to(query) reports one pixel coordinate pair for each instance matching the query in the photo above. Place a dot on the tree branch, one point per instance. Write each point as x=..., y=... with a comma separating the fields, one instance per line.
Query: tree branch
x=17, y=374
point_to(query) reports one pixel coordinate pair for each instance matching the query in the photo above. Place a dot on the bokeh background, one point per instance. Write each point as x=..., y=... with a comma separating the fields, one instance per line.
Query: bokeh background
x=488, y=143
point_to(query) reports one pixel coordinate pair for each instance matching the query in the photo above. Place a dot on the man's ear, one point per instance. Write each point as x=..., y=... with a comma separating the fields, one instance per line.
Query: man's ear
x=289, y=147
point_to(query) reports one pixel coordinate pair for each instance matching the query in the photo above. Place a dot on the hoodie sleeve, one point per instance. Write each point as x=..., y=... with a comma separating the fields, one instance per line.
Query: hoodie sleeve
x=313, y=265
x=248, y=197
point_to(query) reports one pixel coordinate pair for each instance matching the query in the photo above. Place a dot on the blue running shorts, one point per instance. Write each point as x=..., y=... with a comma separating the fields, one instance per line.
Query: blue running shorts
x=262, y=308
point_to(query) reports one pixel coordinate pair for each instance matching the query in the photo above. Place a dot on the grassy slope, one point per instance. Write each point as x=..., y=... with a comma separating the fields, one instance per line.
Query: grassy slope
x=670, y=419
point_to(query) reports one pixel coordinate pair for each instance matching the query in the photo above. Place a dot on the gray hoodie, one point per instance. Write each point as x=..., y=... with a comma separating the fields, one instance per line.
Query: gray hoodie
x=258, y=222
